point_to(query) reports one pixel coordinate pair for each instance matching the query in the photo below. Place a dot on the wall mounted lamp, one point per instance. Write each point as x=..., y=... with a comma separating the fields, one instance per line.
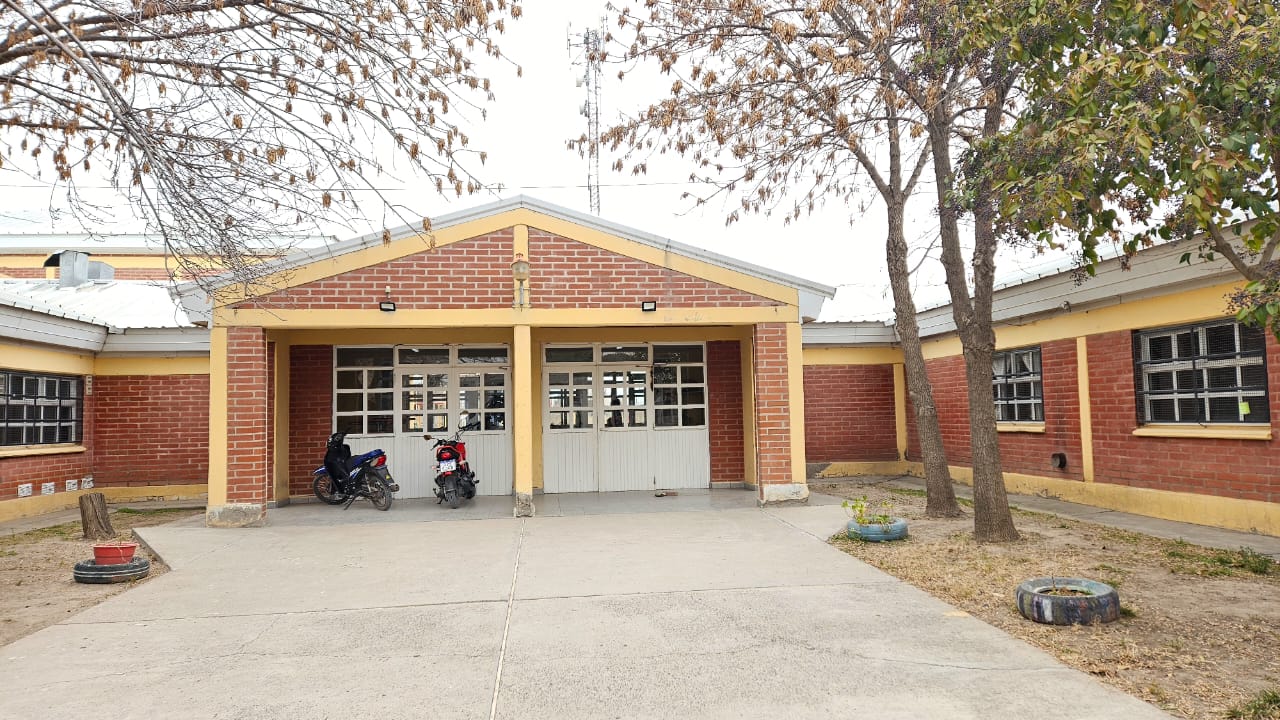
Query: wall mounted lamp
x=520, y=273
x=648, y=306
x=387, y=305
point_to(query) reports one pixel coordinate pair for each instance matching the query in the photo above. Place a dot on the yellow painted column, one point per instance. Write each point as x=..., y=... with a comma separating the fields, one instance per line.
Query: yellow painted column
x=900, y=408
x=795, y=398
x=280, y=426
x=750, y=468
x=217, y=417
x=523, y=418
x=1086, y=408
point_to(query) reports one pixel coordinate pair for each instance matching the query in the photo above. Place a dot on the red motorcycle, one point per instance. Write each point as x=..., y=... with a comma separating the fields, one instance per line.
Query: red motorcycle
x=455, y=481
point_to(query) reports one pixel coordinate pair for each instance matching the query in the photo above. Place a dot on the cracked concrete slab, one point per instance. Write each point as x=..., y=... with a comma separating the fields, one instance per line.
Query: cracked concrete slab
x=656, y=552
x=732, y=654
x=645, y=614
x=397, y=663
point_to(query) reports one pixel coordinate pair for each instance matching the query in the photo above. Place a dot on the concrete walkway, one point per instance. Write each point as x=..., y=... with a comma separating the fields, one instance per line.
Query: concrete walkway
x=627, y=613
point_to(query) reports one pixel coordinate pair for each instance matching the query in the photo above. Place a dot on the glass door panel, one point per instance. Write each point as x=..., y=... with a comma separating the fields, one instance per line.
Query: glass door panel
x=625, y=398
x=570, y=400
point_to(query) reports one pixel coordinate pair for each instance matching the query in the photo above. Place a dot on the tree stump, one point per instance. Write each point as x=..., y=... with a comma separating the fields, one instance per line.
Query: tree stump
x=93, y=517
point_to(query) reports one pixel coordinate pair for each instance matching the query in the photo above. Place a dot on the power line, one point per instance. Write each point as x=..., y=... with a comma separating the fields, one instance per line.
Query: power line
x=496, y=186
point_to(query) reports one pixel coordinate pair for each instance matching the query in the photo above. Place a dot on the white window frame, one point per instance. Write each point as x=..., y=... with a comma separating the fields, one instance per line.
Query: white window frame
x=1009, y=377
x=1196, y=367
x=452, y=367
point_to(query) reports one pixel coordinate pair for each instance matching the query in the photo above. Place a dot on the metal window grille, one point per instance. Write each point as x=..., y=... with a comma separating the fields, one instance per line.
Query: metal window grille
x=1017, y=386
x=1207, y=373
x=37, y=409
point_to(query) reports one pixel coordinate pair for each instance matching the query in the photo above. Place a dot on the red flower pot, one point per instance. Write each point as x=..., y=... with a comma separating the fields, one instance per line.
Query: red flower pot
x=113, y=553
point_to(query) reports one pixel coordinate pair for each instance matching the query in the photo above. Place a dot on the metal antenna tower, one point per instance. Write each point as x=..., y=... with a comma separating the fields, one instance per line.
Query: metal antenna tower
x=588, y=59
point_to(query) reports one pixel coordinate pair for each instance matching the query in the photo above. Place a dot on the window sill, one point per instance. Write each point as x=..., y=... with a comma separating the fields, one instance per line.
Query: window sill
x=28, y=450
x=1220, y=432
x=1020, y=427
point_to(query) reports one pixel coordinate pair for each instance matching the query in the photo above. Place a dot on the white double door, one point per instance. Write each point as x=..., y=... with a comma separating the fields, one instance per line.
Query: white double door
x=429, y=399
x=599, y=435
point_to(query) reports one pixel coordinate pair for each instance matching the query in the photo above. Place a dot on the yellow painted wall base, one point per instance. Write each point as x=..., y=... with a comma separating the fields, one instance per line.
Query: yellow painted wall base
x=859, y=469
x=42, y=504
x=1230, y=513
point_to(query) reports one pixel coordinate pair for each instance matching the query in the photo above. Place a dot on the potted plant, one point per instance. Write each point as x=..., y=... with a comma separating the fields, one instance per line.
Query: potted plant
x=113, y=553
x=1067, y=601
x=878, y=527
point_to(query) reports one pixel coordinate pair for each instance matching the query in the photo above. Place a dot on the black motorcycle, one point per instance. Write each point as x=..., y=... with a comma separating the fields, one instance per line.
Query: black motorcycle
x=344, y=479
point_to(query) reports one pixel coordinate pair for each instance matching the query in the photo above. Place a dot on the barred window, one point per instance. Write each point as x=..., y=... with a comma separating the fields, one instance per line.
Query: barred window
x=1213, y=372
x=38, y=409
x=1016, y=385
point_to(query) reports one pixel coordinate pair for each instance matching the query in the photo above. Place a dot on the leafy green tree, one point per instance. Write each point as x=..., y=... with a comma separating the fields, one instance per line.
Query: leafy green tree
x=1146, y=120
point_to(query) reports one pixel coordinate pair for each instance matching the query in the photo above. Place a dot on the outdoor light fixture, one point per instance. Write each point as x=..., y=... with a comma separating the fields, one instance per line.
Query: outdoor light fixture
x=648, y=306
x=520, y=273
x=387, y=305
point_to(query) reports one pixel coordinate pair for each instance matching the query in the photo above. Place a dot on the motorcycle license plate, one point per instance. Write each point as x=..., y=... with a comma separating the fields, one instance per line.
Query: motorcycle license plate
x=448, y=465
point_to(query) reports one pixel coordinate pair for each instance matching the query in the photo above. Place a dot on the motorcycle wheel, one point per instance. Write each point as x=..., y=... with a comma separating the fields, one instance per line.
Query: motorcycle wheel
x=379, y=495
x=326, y=491
x=451, y=497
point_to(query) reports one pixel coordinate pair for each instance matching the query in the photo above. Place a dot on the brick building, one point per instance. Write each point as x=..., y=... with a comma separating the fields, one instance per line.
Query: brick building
x=623, y=362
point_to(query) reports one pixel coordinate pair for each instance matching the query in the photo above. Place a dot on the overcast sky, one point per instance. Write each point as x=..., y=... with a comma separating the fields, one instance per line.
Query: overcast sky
x=525, y=135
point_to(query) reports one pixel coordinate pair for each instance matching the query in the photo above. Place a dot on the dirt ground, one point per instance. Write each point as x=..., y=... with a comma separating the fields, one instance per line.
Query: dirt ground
x=1199, y=634
x=36, y=587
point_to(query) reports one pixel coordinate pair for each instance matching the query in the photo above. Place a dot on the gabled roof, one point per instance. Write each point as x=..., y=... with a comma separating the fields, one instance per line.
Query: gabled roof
x=334, y=250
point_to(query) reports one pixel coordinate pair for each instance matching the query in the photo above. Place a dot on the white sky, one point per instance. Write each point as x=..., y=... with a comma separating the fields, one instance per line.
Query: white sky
x=525, y=136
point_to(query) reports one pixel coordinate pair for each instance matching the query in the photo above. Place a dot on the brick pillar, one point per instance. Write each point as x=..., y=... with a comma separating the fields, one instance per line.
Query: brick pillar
x=779, y=401
x=247, y=411
x=724, y=391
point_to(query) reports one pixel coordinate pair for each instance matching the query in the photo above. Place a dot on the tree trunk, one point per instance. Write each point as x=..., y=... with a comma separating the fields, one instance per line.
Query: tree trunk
x=93, y=517
x=940, y=496
x=992, y=521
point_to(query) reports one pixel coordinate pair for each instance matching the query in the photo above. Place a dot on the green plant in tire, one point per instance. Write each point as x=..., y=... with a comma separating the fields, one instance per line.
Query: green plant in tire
x=857, y=509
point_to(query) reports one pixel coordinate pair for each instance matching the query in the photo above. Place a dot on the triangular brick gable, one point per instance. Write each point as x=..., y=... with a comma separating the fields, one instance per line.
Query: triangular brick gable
x=472, y=273
x=476, y=274
x=570, y=274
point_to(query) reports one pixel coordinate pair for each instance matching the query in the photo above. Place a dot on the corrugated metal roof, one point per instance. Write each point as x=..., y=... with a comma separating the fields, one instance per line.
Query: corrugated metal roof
x=112, y=303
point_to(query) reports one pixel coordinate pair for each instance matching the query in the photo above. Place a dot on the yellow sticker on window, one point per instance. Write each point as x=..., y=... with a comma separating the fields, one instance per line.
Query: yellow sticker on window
x=1244, y=408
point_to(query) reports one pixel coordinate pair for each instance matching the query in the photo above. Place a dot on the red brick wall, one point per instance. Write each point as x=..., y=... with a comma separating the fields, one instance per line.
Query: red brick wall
x=1026, y=453
x=1246, y=469
x=153, y=430
x=848, y=413
x=248, y=415
x=568, y=274
x=724, y=390
x=37, y=469
x=25, y=273
x=773, y=403
x=474, y=273
x=310, y=412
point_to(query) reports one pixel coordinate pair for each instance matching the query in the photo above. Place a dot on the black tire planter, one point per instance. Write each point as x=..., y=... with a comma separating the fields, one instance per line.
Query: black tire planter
x=895, y=529
x=1101, y=604
x=88, y=571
